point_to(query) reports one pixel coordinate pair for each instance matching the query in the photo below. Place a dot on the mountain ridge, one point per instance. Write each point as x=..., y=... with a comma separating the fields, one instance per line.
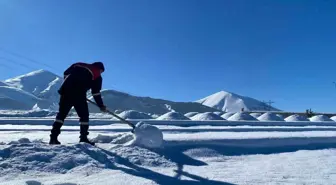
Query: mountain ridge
x=42, y=85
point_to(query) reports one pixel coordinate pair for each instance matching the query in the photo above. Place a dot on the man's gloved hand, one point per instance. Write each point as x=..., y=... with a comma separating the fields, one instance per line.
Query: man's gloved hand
x=103, y=108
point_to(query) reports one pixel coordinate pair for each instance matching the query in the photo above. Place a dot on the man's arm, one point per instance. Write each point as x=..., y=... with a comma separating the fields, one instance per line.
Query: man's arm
x=95, y=91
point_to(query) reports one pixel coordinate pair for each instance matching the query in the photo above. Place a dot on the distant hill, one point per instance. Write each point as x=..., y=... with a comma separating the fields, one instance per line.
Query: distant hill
x=231, y=102
x=40, y=88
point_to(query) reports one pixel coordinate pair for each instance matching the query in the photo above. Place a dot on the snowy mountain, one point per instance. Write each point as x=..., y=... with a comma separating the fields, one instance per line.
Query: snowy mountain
x=231, y=102
x=40, y=83
x=3, y=84
x=118, y=100
x=39, y=89
x=16, y=99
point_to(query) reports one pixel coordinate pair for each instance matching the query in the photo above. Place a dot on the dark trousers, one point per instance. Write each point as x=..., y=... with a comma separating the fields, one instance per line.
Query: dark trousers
x=65, y=104
x=80, y=105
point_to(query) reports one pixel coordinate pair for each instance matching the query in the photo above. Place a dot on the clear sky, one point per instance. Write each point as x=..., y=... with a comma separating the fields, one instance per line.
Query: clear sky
x=183, y=50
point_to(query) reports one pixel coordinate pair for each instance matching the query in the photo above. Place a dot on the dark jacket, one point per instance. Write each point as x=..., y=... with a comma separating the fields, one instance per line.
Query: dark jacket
x=81, y=77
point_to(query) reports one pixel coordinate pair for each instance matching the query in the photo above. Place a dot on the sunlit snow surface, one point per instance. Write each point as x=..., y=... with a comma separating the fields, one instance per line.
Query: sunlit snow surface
x=193, y=153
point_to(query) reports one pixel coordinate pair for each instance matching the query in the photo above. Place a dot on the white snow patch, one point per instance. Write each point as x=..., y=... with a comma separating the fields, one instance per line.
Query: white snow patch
x=269, y=116
x=333, y=118
x=206, y=116
x=173, y=116
x=132, y=114
x=190, y=114
x=296, y=117
x=242, y=116
x=227, y=115
x=35, y=82
x=320, y=118
x=147, y=135
x=218, y=113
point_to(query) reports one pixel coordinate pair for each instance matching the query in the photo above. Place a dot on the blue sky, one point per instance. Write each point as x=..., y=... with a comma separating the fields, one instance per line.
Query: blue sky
x=183, y=50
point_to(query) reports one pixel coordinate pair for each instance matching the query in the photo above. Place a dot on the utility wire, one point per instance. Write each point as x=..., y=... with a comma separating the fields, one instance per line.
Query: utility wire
x=15, y=62
x=24, y=57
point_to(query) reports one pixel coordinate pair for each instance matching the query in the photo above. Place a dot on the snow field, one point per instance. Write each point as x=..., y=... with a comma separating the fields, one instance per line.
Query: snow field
x=190, y=155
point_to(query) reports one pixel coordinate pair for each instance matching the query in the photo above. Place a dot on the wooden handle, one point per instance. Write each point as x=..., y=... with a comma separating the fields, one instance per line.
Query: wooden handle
x=113, y=114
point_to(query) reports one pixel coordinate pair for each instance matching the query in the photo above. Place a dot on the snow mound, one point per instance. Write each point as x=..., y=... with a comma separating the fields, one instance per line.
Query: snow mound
x=114, y=138
x=231, y=102
x=35, y=157
x=256, y=114
x=269, y=116
x=173, y=116
x=242, y=116
x=190, y=114
x=132, y=114
x=333, y=118
x=296, y=117
x=206, y=116
x=320, y=118
x=145, y=135
x=227, y=115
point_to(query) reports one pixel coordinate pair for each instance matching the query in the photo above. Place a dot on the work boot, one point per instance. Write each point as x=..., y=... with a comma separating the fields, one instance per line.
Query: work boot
x=55, y=131
x=83, y=135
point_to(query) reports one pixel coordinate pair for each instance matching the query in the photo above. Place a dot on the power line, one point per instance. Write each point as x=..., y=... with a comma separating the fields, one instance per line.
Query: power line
x=24, y=57
x=6, y=66
x=15, y=62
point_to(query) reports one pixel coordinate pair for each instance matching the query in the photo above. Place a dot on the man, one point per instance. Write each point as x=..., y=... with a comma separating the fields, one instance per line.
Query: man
x=78, y=79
